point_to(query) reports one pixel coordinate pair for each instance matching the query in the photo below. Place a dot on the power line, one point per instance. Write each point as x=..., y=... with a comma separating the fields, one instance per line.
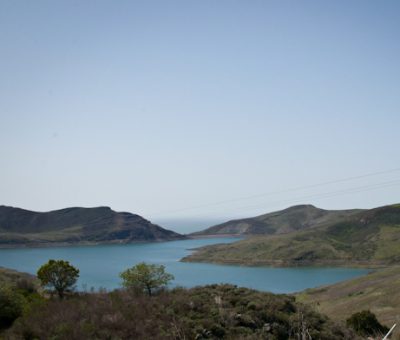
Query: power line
x=333, y=193
x=341, y=180
x=321, y=195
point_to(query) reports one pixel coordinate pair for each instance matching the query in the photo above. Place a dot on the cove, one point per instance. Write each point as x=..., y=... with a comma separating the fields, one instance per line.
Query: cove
x=100, y=265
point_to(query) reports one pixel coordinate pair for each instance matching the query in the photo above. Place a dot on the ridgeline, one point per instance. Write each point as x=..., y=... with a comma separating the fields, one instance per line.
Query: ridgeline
x=19, y=227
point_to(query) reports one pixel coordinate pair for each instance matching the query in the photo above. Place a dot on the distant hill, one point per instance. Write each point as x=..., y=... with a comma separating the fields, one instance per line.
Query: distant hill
x=295, y=218
x=366, y=237
x=76, y=225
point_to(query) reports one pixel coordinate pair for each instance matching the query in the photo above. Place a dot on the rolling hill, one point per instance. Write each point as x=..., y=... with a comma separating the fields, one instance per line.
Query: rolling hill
x=366, y=238
x=299, y=217
x=19, y=227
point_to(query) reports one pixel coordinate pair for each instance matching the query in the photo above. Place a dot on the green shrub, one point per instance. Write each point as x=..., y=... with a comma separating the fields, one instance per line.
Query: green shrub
x=11, y=305
x=365, y=323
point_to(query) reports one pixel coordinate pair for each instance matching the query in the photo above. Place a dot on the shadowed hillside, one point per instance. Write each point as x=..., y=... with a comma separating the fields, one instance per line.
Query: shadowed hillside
x=76, y=225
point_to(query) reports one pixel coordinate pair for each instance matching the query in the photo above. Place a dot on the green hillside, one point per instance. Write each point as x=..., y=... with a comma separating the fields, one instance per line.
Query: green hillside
x=366, y=238
x=19, y=227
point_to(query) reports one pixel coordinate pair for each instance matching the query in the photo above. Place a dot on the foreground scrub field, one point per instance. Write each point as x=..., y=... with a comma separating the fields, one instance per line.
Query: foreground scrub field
x=209, y=312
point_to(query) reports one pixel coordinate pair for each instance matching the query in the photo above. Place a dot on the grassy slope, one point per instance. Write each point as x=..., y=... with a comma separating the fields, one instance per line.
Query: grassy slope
x=378, y=291
x=369, y=238
x=11, y=277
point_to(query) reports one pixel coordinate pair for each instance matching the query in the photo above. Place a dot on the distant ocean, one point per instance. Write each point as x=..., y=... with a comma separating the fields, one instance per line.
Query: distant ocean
x=186, y=226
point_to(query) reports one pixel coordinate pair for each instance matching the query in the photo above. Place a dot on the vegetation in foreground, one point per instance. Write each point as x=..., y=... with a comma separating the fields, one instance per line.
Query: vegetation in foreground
x=18, y=291
x=145, y=277
x=210, y=312
x=58, y=274
x=365, y=324
x=370, y=238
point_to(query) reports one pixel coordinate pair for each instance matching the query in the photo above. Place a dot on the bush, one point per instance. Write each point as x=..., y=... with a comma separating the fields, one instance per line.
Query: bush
x=11, y=305
x=365, y=323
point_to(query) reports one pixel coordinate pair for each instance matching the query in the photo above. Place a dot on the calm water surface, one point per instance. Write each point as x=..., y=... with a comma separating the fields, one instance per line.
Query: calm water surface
x=100, y=265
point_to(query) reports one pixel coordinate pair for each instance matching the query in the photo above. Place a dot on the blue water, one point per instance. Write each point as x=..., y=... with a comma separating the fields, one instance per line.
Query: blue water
x=100, y=265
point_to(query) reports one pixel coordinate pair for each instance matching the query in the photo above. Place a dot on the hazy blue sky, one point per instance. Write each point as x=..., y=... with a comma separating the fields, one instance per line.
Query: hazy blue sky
x=155, y=107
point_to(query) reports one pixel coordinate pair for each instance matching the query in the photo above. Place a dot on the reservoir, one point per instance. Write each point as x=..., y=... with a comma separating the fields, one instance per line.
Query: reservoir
x=100, y=266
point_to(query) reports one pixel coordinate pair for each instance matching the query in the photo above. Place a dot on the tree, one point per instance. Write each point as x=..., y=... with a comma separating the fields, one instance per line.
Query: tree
x=59, y=275
x=365, y=323
x=145, y=277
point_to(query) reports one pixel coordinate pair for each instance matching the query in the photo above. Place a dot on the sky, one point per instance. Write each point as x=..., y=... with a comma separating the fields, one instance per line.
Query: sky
x=202, y=110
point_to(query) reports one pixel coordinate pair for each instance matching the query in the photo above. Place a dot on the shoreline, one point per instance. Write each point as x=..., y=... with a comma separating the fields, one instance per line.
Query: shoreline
x=284, y=264
x=111, y=242
x=82, y=243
